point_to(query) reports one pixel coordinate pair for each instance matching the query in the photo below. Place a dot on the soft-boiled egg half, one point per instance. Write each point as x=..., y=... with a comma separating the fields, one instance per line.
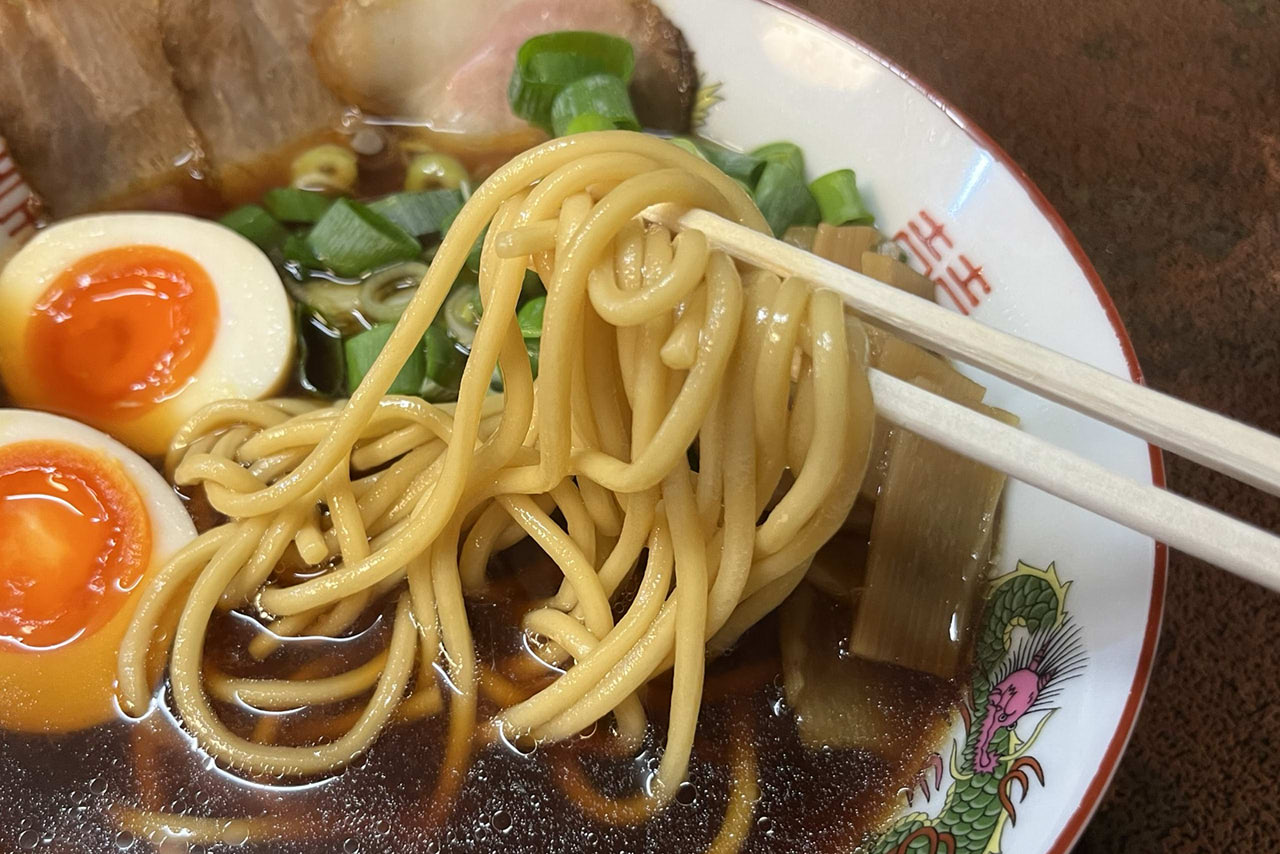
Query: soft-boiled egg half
x=84, y=522
x=133, y=321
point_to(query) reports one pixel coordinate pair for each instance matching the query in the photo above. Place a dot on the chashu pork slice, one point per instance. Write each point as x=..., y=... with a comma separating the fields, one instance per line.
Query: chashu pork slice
x=87, y=101
x=248, y=81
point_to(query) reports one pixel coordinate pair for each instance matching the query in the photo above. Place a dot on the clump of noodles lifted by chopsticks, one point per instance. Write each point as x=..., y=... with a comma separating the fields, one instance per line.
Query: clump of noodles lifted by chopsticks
x=650, y=345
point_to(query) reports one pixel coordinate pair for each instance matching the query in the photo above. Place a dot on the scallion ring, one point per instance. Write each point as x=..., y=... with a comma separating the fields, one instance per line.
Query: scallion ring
x=547, y=63
x=585, y=122
x=436, y=171
x=598, y=102
x=325, y=167
x=839, y=200
x=384, y=294
x=462, y=313
x=337, y=303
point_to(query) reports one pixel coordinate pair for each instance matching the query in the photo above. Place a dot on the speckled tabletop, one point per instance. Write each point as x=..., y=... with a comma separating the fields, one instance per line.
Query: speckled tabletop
x=1153, y=126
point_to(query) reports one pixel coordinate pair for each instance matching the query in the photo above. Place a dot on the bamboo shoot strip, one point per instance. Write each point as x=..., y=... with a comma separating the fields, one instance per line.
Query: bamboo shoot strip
x=1237, y=547
x=846, y=244
x=931, y=540
x=906, y=361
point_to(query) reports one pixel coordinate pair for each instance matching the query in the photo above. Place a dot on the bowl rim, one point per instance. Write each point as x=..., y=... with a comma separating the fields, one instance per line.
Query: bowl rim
x=1097, y=787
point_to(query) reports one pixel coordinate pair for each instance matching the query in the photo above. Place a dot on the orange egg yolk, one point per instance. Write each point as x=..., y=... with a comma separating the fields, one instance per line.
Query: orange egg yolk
x=74, y=540
x=121, y=331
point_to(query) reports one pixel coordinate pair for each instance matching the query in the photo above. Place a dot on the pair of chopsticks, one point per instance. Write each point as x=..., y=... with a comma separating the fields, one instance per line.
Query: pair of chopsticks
x=1215, y=441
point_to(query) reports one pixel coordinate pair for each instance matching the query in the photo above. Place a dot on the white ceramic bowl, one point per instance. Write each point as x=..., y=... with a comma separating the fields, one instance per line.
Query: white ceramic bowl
x=972, y=221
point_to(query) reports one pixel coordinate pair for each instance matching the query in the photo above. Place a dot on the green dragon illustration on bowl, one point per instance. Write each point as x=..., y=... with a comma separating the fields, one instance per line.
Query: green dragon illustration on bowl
x=1013, y=681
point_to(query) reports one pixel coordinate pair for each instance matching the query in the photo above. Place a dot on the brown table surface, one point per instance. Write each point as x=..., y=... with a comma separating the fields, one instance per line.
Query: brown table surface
x=1153, y=126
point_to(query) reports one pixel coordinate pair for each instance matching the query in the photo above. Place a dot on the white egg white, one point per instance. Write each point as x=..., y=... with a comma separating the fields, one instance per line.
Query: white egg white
x=252, y=347
x=72, y=686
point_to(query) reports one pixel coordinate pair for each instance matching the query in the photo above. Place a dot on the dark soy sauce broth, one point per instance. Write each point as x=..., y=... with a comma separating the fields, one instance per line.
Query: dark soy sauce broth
x=62, y=793
x=63, y=789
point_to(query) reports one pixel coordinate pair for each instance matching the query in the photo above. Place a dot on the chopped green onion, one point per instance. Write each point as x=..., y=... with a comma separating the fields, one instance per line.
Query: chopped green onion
x=602, y=94
x=735, y=164
x=784, y=199
x=385, y=294
x=587, y=122
x=337, y=303
x=433, y=171
x=782, y=152
x=462, y=311
x=444, y=361
x=351, y=240
x=253, y=222
x=298, y=252
x=473, y=257
x=289, y=204
x=688, y=145
x=531, y=286
x=447, y=222
x=361, y=351
x=533, y=346
x=530, y=317
x=432, y=392
x=839, y=200
x=325, y=167
x=427, y=212
x=547, y=63
x=321, y=367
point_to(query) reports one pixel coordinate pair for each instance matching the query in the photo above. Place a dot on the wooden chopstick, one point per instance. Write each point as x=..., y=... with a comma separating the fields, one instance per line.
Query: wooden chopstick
x=1201, y=531
x=1215, y=441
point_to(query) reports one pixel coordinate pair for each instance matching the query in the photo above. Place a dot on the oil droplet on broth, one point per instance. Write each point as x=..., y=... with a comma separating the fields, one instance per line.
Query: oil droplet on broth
x=235, y=834
x=28, y=840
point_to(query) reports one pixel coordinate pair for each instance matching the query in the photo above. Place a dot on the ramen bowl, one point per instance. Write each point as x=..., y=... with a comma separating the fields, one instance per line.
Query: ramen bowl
x=1072, y=602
